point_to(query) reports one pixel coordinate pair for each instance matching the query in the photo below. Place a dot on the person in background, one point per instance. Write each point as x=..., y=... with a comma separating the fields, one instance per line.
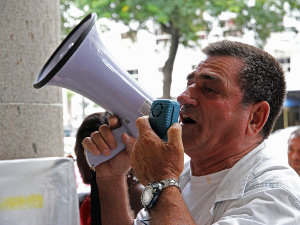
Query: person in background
x=90, y=205
x=231, y=102
x=294, y=150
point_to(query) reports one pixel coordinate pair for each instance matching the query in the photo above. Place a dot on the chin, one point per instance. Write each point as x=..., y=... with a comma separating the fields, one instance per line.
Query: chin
x=188, y=145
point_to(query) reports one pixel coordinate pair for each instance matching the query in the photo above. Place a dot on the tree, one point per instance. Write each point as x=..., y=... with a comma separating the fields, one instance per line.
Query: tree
x=183, y=19
x=68, y=20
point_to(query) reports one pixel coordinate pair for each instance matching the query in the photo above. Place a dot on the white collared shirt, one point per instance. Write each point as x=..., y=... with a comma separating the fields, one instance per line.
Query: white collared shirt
x=258, y=189
x=193, y=197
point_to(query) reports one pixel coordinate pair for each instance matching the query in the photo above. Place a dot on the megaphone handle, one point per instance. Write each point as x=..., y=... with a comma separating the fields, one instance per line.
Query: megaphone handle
x=95, y=160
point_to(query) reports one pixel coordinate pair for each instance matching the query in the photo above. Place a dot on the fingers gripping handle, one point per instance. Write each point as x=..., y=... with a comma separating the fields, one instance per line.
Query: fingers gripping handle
x=94, y=160
x=163, y=114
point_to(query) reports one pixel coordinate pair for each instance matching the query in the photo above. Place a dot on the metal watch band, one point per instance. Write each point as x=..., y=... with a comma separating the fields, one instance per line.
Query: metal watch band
x=169, y=182
x=155, y=188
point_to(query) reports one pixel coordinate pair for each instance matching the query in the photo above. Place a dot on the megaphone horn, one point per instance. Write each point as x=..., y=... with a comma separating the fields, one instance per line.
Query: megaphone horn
x=82, y=64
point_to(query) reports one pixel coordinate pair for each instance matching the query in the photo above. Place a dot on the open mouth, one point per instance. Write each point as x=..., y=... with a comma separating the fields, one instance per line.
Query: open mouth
x=187, y=120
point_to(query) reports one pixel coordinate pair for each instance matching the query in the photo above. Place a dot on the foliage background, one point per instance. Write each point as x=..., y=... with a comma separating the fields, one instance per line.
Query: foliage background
x=183, y=19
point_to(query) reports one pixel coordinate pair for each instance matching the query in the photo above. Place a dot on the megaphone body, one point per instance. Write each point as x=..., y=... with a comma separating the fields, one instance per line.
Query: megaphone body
x=82, y=64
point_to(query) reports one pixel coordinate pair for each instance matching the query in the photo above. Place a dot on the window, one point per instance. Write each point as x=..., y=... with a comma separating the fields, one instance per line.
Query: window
x=164, y=41
x=285, y=62
x=129, y=34
x=134, y=74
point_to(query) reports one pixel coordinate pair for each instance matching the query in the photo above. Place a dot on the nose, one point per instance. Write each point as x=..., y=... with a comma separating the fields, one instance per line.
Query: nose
x=295, y=156
x=186, y=98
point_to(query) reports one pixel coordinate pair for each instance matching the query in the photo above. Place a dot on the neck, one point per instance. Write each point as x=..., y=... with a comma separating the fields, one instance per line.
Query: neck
x=204, y=166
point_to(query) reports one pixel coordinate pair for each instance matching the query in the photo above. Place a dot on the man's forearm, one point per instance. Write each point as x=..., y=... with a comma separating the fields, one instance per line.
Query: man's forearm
x=114, y=200
x=170, y=209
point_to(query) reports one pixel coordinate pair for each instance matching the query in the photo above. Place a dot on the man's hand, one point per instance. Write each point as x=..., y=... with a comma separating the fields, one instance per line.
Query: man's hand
x=110, y=175
x=102, y=142
x=152, y=159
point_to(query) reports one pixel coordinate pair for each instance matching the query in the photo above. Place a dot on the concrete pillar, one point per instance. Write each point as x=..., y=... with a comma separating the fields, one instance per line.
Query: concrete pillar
x=31, y=120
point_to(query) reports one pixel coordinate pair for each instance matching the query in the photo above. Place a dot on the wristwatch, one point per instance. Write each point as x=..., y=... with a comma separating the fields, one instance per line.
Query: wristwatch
x=152, y=191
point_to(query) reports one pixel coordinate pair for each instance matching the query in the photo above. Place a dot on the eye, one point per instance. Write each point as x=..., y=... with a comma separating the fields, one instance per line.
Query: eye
x=209, y=90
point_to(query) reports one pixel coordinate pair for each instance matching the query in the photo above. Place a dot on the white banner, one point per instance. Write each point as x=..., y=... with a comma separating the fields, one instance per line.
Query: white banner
x=39, y=191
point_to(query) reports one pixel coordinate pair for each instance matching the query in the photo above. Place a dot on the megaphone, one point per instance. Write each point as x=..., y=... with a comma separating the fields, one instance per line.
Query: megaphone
x=82, y=64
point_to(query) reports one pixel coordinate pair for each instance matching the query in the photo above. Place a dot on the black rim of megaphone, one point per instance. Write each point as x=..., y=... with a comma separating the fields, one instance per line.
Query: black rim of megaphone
x=67, y=56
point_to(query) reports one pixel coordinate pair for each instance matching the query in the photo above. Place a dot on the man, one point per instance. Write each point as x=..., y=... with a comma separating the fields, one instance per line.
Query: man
x=294, y=150
x=229, y=107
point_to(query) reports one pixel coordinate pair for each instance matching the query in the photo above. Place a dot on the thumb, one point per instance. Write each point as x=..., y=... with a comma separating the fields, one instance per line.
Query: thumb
x=143, y=125
x=129, y=142
x=174, y=135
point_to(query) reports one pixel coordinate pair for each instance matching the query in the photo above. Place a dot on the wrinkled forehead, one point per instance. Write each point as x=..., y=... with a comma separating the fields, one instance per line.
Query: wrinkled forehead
x=219, y=64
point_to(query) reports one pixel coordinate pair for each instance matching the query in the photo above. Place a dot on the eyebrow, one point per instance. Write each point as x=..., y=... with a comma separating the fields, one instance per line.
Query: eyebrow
x=190, y=76
x=204, y=76
x=210, y=77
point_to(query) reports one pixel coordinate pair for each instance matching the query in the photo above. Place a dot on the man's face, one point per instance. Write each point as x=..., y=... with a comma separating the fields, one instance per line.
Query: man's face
x=294, y=153
x=212, y=116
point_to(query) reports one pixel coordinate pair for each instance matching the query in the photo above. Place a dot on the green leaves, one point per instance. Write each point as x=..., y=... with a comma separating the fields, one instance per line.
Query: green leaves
x=261, y=16
x=188, y=17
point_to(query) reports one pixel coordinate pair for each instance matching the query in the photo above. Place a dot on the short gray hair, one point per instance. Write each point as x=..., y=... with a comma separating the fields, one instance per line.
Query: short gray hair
x=261, y=79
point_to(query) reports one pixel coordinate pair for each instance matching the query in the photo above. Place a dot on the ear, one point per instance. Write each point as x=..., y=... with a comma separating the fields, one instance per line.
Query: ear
x=258, y=117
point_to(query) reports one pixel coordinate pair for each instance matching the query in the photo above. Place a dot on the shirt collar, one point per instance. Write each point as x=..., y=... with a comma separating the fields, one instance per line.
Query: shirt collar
x=234, y=183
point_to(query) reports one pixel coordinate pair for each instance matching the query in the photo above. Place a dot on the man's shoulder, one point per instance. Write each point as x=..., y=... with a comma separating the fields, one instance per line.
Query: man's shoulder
x=272, y=173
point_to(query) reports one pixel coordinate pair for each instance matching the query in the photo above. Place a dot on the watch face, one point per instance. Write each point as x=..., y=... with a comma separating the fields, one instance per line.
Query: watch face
x=147, y=196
